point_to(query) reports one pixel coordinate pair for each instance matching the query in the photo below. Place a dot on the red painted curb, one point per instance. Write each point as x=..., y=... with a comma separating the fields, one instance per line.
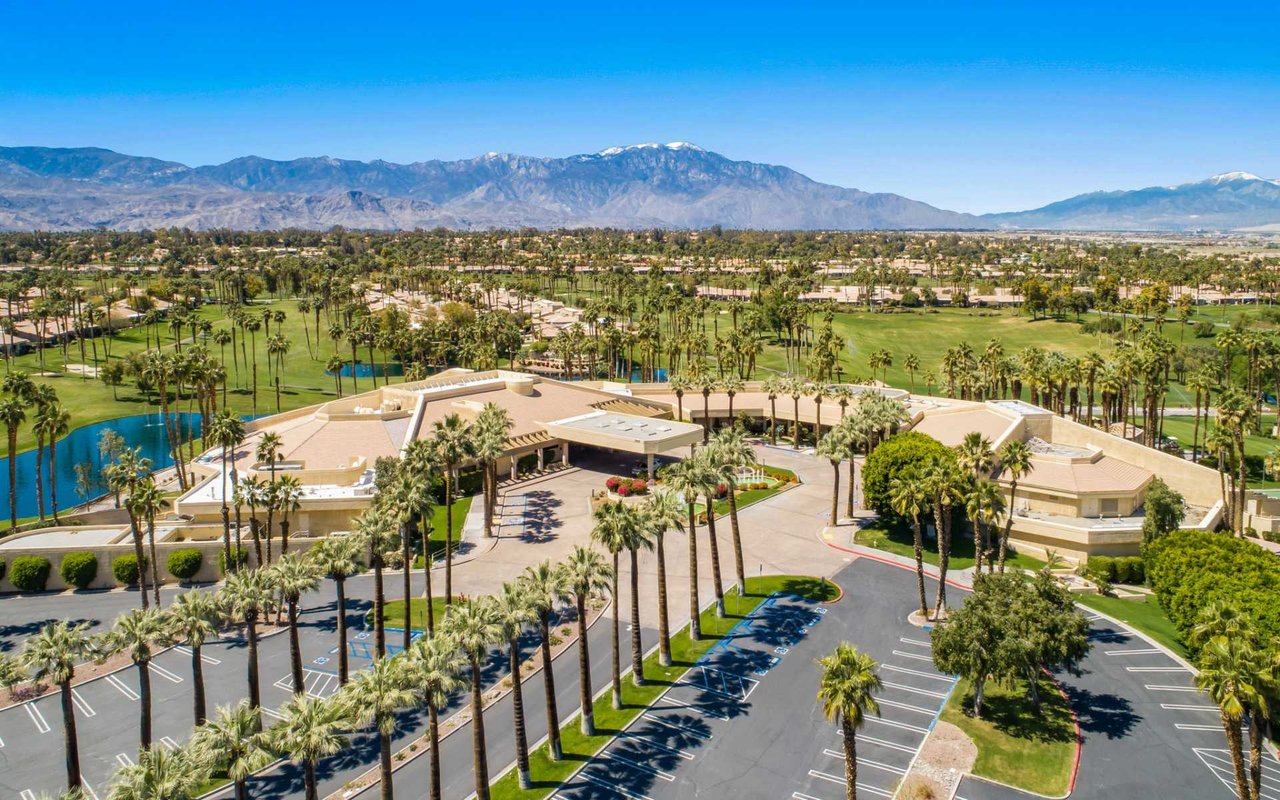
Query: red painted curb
x=1075, y=720
x=838, y=597
x=878, y=559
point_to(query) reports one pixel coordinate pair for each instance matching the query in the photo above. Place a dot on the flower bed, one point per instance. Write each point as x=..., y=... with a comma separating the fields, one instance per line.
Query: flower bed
x=626, y=487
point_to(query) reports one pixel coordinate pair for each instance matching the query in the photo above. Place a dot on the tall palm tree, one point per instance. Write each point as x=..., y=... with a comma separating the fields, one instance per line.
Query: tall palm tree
x=706, y=460
x=834, y=447
x=847, y=692
x=338, y=558
x=246, y=595
x=546, y=588
x=612, y=531
x=661, y=512
x=451, y=440
x=53, y=654
x=638, y=536
x=907, y=498
x=293, y=576
x=686, y=480
x=53, y=422
x=193, y=617
x=474, y=626
x=420, y=461
x=286, y=499
x=1228, y=673
x=940, y=484
x=984, y=504
x=269, y=450
x=13, y=412
x=161, y=774
x=514, y=609
x=253, y=493
x=234, y=741
x=1015, y=458
x=145, y=502
x=732, y=452
x=376, y=529
x=44, y=398
x=493, y=425
x=136, y=633
x=226, y=432
x=435, y=666
x=374, y=697
x=312, y=729
x=585, y=573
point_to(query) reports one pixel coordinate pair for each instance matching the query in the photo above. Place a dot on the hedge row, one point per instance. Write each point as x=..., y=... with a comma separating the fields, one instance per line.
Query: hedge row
x=184, y=564
x=1129, y=569
x=79, y=569
x=1191, y=569
x=29, y=573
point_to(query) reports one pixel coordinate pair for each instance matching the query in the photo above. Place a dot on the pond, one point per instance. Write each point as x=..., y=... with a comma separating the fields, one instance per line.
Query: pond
x=363, y=370
x=81, y=446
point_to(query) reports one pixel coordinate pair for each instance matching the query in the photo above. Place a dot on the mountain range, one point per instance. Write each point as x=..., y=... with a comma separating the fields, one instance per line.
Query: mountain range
x=676, y=185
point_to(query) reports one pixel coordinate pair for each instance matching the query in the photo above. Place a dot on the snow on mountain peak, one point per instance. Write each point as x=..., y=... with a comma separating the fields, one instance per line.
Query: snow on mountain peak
x=613, y=151
x=1227, y=177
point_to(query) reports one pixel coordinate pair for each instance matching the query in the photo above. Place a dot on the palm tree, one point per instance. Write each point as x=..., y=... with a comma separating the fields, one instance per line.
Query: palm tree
x=612, y=531
x=451, y=440
x=161, y=774
x=269, y=451
x=661, y=512
x=338, y=558
x=44, y=398
x=372, y=698
x=287, y=499
x=253, y=493
x=706, y=460
x=474, y=626
x=247, y=594
x=772, y=387
x=420, y=461
x=13, y=412
x=137, y=632
x=940, y=485
x=514, y=609
x=53, y=653
x=193, y=617
x=311, y=730
x=638, y=536
x=834, y=447
x=226, y=432
x=145, y=501
x=492, y=426
x=52, y=422
x=984, y=503
x=585, y=572
x=434, y=666
x=545, y=587
x=908, y=499
x=685, y=479
x=376, y=529
x=732, y=452
x=1228, y=673
x=847, y=692
x=233, y=740
x=293, y=576
x=1015, y=457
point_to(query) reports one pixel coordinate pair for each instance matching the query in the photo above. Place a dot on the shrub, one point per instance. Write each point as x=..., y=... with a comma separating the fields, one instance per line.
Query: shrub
x=184, y=564
x=1163, y=512
x=2, y=566
x=624, y=490
x=239, y=555
x=639, y=486
x=79, y=569
x=125, y=569
x=1103, y=566
x=30, y=573
x=1129, y=570
x=894, y=457
x=612, y=483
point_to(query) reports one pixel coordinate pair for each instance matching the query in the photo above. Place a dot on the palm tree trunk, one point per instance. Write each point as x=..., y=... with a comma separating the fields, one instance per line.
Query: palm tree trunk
x=70, y=742
x=197, y=681
x=737, y=538
x=425, y=532
x=1255, y=755
x=477, y=730
x=584, y=670
x=1234, y=744
x=448, y=534
x=835, y=493
x=384, y=763
x=140, y=556
x=637, y=662
x=155, y=565
x=53, y=478
x=340, y=585
x=13, y=480
x=849, y=494
x=40, y=477
x=309, y=780
x=251, y=640
x=850, y=758
x=664, y=636
x=1008, y=524
x=715, y=554
x=433, y=730
x=295, y=648
x=549, y=684
x=615, y=661
x=405, y=575
x=379, y=603
x=917, y=543
x=144, y=705
x=517, y=710
x=695, y=622
x=944, y=557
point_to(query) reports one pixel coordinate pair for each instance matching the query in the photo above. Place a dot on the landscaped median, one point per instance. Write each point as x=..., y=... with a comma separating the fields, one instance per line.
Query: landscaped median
x=548, y=775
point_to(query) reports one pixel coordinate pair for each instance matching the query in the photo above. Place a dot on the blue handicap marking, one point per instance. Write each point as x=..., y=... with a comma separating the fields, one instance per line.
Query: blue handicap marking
x=820, y=611
x=364, y=635
x=782, y=650
x=321, y=660
x=360, y=650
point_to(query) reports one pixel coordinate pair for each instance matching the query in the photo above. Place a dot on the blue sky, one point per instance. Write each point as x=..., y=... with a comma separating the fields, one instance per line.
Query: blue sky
x=967, y=105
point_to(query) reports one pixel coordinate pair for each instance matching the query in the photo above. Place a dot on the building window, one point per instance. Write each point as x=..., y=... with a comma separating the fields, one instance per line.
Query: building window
x=1110, y=506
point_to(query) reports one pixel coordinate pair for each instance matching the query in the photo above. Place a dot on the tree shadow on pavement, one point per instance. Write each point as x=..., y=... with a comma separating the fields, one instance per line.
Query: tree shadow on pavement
x=1107, y=714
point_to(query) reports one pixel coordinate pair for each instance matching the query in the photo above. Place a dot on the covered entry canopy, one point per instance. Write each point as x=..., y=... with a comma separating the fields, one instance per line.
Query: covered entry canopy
x=626, y=432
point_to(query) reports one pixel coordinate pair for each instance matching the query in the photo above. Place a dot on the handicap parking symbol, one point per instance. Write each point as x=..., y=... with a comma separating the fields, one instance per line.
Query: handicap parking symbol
x=321, y=660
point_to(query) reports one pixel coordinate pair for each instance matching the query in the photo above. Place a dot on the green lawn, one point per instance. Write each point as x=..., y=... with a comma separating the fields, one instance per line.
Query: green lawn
x=393, y=613
x=460, y=508
x=1143, y=614
x=1018, y=745
x=578, y=749
x=897, y=539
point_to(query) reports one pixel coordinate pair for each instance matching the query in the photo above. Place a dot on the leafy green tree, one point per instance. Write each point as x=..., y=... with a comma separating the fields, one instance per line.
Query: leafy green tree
x=1163, y=511
x=890, y=459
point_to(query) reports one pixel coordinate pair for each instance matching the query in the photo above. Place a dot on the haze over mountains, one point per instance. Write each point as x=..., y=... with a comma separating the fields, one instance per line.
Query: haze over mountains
x=676, y=185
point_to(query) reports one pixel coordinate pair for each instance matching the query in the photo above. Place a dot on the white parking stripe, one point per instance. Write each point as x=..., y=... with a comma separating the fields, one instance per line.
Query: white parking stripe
x=887, y=743
x=813, y=773
x=124, y=760
x=27, y=794
x=906, y=688
x=270, y=713
x=85, y=708
x=1148, y=651
x=124, y=689
x=164, y=673
x=612, y=786
x=1188, y=726
x=674, y=726
x=916, y=656
x=867, y=762
x=668, y=702
x=687, y=756
x=37, y=717
x=905, y=671
x=916, y=642
x=904, y=726
x=206, y=659
x=169, y=742
x=1156, y=669
x=1176, y=707
x=802, y=796
x=657, y=773
x=907, y=707
x=84, y=786
x=1158, y=688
